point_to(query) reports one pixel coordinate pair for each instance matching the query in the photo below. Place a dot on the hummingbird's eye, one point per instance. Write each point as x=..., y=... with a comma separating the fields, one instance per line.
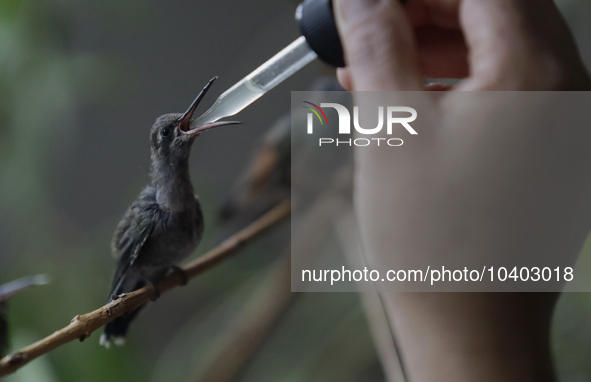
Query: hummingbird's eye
x=165, y=132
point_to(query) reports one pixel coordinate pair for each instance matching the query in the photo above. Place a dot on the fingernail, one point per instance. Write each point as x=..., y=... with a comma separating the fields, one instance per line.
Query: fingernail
x=346, y=10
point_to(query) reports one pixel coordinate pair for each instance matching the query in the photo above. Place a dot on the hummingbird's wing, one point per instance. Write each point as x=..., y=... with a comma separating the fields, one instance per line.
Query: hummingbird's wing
x=135, y=225
x=133, y=231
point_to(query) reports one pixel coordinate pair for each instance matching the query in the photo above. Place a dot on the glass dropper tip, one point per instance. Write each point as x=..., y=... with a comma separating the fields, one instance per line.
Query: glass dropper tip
x=273, y=72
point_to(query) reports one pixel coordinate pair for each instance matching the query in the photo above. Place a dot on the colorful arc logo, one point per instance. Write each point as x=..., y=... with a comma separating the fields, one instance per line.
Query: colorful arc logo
x=316, y=112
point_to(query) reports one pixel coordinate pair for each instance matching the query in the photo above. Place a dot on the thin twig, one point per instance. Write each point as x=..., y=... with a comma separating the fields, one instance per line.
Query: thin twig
x=82, y=326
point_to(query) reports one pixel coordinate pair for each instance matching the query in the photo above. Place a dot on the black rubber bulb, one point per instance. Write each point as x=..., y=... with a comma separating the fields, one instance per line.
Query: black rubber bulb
x=318, y=26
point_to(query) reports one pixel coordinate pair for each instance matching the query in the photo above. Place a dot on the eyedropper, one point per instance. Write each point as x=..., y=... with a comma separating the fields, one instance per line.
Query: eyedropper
x=277, y=69
x=320, y=39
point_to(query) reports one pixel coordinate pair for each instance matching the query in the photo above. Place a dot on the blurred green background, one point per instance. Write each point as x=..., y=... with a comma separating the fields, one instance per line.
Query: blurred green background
x=80, y=85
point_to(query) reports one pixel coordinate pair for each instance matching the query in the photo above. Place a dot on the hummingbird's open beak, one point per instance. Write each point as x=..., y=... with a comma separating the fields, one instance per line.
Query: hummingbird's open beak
x=199, y=129
x=185, y=119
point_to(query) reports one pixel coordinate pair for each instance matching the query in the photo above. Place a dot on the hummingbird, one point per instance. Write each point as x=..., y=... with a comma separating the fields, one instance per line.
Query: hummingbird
x=164, y=224
x=7, y=291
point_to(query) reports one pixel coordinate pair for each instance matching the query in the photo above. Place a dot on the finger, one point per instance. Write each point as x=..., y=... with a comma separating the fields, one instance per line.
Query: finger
x=440, y=13
x=442, y=53
x=438, y=87
x=345, y=81
x=379, y=45
x=442, y=49
x=514, y=46
x=344, y=78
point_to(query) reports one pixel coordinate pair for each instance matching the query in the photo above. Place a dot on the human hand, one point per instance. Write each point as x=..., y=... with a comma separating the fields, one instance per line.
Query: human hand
x=494, y=45
x=476, y=187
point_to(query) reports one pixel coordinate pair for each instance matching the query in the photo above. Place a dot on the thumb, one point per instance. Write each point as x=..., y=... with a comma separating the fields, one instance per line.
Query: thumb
x=379, y=45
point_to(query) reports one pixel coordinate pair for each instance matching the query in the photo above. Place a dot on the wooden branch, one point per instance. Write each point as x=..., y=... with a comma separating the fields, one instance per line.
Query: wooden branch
x=82, y=326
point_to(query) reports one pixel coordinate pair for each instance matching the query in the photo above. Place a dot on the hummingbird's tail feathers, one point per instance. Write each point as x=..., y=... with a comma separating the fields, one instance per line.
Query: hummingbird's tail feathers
x=106, y=341
x=116, y=330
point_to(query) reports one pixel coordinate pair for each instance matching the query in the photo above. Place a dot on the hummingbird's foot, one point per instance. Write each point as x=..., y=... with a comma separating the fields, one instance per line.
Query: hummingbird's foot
x=156, y=290
x=156, y=293
x=182, y=274
x=149, y=283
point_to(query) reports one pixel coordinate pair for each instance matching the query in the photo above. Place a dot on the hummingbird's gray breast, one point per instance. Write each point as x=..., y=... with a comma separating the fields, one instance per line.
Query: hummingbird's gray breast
x=174, y=238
